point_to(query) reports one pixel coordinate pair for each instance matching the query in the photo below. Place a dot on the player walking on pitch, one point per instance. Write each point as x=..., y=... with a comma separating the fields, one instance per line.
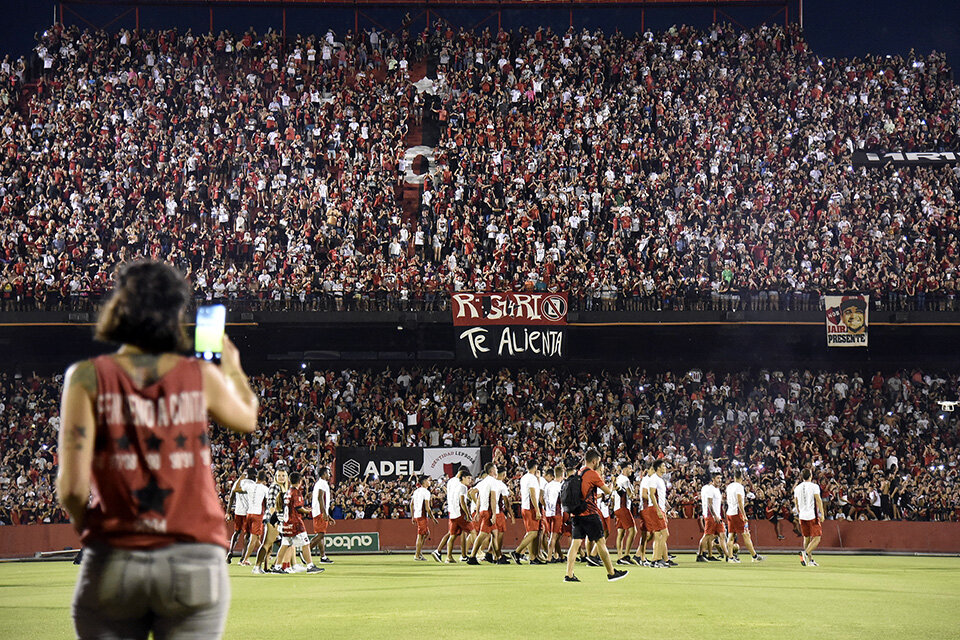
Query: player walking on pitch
x=655, y=513
x=321, y=514
x=274, y=506
x=712, y=503
x=810, y=512
x=645, y=535
x=626, y=526
x=239, y=501
x=486, y=499
x=551, y=513
x=458, y=489
x=737, y=517
x=420, y=502
x=254, y=523
x=530, y=511
x=503, y=506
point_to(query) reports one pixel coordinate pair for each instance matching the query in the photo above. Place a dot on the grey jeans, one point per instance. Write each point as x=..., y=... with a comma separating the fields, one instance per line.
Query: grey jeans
x=180, y=592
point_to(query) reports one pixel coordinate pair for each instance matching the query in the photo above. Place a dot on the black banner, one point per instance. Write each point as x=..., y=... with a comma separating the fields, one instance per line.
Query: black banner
x=511, y=343
x=905, y=158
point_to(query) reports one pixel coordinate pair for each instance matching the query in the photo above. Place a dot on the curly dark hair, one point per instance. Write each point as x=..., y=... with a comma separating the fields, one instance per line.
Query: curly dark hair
x=145, y=308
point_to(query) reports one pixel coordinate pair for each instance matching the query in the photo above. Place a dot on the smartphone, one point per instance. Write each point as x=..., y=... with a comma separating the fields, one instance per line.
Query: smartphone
x=208, y=339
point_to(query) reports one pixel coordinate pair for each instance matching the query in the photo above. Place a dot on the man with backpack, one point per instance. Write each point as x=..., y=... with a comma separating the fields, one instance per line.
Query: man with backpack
x=578, y=496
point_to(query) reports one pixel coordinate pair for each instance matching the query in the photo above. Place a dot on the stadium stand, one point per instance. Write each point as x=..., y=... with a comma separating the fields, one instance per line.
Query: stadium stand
x=272, y=172
x=878, y=441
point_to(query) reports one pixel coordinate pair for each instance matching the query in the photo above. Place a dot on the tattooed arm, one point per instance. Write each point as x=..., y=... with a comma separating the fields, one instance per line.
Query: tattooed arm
x=77, y=425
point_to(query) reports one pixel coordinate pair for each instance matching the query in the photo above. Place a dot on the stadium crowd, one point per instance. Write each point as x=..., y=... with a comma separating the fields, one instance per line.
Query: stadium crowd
x=878, y=443
x=679, y=170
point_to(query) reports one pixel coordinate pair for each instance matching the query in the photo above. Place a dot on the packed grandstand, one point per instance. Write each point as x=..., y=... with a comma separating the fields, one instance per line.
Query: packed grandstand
x=275, y=173
x=878, y=441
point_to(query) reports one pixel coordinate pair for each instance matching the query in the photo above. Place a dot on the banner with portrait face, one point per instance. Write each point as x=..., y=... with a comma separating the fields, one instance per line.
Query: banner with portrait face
x=847, y=320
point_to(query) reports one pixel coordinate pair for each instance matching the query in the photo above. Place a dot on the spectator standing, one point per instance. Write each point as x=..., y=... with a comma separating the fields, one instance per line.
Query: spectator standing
x=155, y=516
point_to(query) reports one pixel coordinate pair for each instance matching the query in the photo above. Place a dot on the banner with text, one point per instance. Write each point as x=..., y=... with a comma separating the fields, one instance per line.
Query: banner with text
x=847, y=320
x=904, y=158
x=485, y=309
x=398, y=463
x=444, y=462
x=511, y=342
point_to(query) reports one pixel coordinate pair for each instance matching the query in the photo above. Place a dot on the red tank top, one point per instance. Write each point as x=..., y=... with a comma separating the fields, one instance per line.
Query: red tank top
x=152, y=485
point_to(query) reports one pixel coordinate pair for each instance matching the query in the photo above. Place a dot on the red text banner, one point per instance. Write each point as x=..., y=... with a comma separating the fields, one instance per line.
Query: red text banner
x=485, y=309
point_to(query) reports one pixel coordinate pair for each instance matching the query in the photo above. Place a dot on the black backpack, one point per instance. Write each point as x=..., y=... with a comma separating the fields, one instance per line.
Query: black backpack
x=571, y=495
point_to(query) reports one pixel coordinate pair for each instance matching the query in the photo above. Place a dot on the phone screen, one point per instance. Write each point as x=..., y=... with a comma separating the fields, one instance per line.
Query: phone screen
x=208, y=340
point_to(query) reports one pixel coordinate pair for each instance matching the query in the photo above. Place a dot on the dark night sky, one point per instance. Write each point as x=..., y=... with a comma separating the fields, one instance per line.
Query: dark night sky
x=833, y=27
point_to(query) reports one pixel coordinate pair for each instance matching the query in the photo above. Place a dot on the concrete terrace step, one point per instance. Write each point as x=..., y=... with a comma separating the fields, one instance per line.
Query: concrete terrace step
x=27, y=91
x=417, y=71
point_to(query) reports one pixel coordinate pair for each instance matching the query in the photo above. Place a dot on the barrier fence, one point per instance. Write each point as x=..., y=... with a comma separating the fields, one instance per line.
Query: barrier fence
x=400, y=535
x=608, y=300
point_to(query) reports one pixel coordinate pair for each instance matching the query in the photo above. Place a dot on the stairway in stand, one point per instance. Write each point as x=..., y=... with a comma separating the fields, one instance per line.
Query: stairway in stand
x=27, y=91
x=409, y=194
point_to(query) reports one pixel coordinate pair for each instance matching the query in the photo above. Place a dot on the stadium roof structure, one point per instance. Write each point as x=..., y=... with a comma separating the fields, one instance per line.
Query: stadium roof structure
x=495, y=7
x=439, y=3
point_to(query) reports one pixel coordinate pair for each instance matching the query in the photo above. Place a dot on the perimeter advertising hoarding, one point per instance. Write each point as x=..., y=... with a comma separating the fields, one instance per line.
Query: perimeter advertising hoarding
x=847, y=320
x=351, y=542
x=398, y=463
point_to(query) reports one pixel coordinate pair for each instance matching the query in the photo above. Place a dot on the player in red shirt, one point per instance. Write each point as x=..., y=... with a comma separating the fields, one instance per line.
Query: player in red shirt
x=587, y=524
x=294, y=532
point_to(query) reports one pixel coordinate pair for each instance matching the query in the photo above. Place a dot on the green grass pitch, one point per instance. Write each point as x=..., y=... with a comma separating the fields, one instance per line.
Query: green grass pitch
x=393, y=597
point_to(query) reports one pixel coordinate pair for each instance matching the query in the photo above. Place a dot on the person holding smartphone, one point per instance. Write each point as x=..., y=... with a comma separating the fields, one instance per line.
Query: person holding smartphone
x=135, y=471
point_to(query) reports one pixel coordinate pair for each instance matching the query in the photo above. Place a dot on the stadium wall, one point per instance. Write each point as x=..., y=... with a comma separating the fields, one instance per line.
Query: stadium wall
x=399, y=535
x=676, y=340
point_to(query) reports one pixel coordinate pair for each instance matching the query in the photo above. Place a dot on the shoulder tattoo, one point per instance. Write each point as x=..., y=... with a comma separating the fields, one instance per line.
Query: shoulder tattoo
x=84, y=375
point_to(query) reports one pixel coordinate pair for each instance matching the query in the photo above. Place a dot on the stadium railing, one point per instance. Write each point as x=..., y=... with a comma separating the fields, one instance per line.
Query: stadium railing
x=597, y=300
